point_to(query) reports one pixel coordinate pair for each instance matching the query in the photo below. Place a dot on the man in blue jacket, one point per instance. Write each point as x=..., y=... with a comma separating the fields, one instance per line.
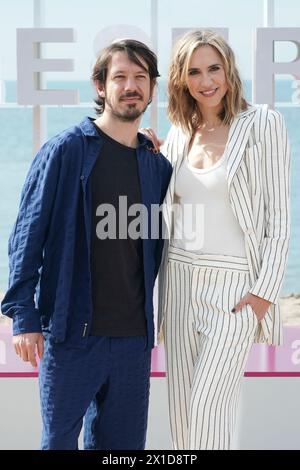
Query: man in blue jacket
x=82, y=267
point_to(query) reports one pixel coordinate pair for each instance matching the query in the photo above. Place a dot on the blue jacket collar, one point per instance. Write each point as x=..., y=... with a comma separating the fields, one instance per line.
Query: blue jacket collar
x=88, y=129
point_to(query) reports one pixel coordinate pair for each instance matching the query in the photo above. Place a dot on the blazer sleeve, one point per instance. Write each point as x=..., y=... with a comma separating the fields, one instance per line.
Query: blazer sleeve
x=173, y=145
x=166, y=146
x=276, y=185
x=166, y=176
x=25, y=249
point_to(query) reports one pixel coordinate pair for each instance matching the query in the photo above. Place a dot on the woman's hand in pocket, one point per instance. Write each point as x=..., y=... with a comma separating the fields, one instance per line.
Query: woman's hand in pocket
x=258, y=304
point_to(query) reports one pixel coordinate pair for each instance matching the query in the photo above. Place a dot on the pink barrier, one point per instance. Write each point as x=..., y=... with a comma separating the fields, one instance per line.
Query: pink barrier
x=264, y=360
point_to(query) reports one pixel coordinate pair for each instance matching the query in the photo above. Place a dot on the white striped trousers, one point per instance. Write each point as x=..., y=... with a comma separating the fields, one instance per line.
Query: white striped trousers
x=206, y=345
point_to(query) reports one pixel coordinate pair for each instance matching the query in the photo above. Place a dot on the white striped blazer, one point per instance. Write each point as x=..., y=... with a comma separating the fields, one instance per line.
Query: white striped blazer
x=258, y=174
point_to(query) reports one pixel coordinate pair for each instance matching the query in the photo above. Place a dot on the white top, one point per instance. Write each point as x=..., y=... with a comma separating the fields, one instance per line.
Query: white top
x=204, y=221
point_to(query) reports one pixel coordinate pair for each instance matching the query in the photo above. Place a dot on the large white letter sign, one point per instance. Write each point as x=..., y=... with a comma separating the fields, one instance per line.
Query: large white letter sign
x=29, y=64
x=265, y=66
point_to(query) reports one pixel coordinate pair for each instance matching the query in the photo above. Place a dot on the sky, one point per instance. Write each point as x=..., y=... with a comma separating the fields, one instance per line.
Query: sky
x=96, y=22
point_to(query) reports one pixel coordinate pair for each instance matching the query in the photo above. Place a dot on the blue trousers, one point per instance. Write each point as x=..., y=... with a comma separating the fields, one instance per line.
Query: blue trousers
x=107, y=382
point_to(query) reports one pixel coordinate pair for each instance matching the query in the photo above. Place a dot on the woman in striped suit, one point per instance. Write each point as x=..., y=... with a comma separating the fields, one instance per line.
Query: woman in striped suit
x=227, y=220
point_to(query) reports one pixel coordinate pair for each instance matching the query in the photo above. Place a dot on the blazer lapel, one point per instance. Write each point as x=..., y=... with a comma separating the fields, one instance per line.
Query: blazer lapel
x=237, y=140
x=167, y=209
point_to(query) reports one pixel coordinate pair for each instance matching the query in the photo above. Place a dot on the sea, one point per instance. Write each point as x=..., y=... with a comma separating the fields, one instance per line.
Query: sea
x=16, y=155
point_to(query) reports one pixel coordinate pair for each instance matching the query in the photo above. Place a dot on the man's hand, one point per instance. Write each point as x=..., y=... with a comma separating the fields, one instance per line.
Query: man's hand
x=259, y=305
x=26, y=345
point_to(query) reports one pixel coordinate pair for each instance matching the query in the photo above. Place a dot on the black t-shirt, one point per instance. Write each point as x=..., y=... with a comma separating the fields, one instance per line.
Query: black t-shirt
x=116, y=263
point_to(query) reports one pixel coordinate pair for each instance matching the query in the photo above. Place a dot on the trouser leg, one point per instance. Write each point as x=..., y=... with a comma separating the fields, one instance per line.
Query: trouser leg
x=182, y=348
x=207, y=347
x=226, y=340
x=69, y=379
x=117, y=417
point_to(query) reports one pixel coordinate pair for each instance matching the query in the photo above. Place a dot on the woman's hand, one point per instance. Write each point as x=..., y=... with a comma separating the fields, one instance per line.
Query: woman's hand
x=259, y=305
x=150, y=134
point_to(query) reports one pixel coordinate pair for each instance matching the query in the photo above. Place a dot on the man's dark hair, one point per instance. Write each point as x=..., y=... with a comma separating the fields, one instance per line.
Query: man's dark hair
x=135, y=51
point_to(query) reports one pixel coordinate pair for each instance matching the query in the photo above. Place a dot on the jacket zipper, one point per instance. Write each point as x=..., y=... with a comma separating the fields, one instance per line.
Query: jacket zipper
x=84, y=330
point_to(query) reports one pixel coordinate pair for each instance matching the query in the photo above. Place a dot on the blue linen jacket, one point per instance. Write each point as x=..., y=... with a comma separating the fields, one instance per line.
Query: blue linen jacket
x=49, y=248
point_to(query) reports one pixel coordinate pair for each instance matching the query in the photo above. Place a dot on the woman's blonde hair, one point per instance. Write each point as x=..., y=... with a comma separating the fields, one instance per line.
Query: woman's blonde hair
x=182, y=109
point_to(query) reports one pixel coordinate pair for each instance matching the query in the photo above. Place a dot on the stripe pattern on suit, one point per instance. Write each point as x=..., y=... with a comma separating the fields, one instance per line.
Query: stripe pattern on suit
x=206, y=346
x=258, y=174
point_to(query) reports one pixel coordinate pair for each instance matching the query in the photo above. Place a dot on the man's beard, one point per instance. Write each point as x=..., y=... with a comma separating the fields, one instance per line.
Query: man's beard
x=130, y=114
